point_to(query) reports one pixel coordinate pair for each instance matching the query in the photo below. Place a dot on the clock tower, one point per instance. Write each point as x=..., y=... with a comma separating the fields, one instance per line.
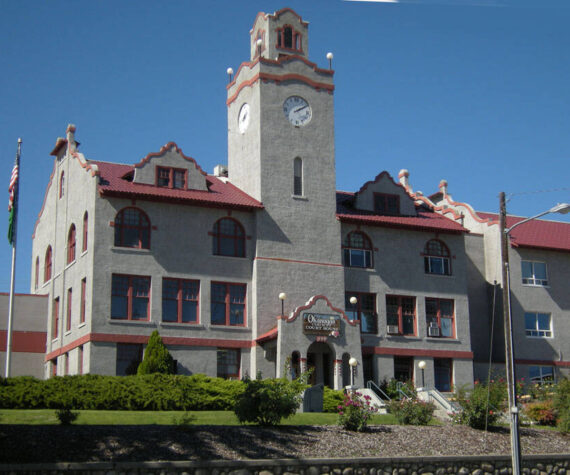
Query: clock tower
x=281, y=152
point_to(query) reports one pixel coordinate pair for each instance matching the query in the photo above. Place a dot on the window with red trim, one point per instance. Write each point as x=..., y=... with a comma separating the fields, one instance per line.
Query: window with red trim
x=132, y=229
x=37, y=273
x=363, y=310
x=440, y=317
x=130, y=297
x=83, y=298
x=228, y=363
x=169, y=177
x=68, y=310
x=400, y=315
x=180, y=300
x=62, y=185
x=288, y=38
x=80, y=360
x=437, y=258
x=55, y=318
x=228, y=304
x=443, y=374
x=54, y=367
x=385, y=203
x=47, y=265
x=229, y=238
x=66, y=364
x=85, y=231
x=357, y=250
x=71, y=244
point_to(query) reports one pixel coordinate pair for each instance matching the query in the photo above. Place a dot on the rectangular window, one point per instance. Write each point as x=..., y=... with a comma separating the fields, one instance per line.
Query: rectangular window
x=363, y=310
x=538, y=324
x=440, y=317
x=80, y=360
x=55, y=318
x=66, y=364
x=68, y=310
x=83, y=297
x=228, y=304
x=403, y=368
x=401, y=315
x=534, y=273
x=129, y=356
x=228, y=363
x=442, y=368
x=171, y=178
x=541, y=374
x=180, y=300
x=130, y=297
x=385, y=203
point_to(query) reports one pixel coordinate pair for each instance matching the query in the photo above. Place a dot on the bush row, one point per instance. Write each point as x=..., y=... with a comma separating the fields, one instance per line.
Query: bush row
x=153, y=392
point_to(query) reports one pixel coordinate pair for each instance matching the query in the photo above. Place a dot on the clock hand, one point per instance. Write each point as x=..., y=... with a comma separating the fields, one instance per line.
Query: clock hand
x=301, y=108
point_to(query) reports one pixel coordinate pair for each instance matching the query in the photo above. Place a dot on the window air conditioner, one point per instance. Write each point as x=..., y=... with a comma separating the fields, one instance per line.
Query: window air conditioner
x=392, y=329
x=433, y=331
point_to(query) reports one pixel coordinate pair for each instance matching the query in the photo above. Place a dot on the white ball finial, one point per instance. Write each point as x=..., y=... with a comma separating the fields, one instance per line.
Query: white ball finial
x=259, y=42
x=330, y=56
x=422, y=364
x=352, y=362
x=282, y=296
x=230, y=71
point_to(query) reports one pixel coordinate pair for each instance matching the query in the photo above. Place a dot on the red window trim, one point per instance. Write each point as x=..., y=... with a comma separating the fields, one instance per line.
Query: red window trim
x=68, y=309
x=217, y=236
x=445, y=254
x=83, y=297
x=438, y=315
x=48, y=264
x=55, y=319
x=296, y=39
x=228, y=303
x=71, y=243
x=129, y=296
x=80, y=360
x=171, y=171
x=179, y=300
x=359, y=296
x=141, y=229
x=385, y=197
x=401, y=314
x=231, y=376
x=85, y=231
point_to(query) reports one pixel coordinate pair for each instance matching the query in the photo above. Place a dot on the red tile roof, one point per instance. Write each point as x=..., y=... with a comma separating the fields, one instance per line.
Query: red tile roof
x=267, y=336
x=425, y=220
x=112, y=182
x=537, y=233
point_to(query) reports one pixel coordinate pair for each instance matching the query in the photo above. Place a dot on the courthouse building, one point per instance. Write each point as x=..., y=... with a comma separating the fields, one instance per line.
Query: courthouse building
x=263, y=266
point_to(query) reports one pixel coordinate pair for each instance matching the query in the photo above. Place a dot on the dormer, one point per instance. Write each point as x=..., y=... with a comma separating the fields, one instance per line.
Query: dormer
x=385, y=197
x=281, y=33
x=170, y=168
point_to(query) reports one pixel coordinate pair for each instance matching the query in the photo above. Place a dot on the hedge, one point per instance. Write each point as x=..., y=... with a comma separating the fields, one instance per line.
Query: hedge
x=153, y=392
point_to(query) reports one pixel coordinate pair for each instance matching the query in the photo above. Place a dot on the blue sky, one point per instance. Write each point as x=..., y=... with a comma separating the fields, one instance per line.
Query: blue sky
x=476, y=92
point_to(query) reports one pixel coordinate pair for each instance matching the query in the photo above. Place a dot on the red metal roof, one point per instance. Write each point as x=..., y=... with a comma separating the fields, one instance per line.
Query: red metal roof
x=537, y=233
x=425, y=220
x=112, y=182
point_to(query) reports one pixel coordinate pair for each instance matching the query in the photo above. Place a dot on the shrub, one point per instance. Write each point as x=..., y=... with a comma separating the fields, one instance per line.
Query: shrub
x=332, y=399
x=355, y=411
x=157, y=358
x=391, y=388
x=540, y=412
x=478, y=412
x=267, y=401
x=66, y=416
x=561, y=404
x=412, y=411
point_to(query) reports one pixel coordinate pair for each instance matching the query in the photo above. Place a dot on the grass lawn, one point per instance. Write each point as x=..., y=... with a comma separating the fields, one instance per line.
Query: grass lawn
x=47, y=416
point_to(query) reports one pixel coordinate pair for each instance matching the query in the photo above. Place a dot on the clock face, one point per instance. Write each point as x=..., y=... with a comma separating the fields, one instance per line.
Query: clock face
x=243, y=118
x=297, y=110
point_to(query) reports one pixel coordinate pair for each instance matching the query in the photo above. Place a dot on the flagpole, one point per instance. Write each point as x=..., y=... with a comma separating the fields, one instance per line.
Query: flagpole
x=13, y=271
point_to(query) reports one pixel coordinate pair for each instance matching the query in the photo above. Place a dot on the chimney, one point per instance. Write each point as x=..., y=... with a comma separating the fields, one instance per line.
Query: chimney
x=403, y=176
x=443, y=187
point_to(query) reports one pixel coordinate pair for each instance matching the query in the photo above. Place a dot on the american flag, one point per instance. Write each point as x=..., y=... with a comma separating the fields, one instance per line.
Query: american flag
x=11, y=188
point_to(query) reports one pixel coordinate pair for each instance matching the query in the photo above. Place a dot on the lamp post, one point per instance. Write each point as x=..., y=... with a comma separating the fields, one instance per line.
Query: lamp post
x=352, y=363
x=282, y=297
x=422, y=366
x=508, y=324
x=330, y=58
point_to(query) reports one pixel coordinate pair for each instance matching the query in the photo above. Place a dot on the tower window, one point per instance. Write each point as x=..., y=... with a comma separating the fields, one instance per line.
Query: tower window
x=298, y=177
x=288, y=38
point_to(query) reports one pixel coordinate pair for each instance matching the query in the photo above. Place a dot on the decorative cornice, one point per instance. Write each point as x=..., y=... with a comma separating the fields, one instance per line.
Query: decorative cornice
x=310, y=303
x=163, y=150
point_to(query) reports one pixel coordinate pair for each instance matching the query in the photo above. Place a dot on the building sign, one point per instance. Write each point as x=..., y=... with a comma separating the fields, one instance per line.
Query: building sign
x=321, y=324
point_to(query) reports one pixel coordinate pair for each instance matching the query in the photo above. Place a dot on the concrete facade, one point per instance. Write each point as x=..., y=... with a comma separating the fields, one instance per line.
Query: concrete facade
x=162, y=245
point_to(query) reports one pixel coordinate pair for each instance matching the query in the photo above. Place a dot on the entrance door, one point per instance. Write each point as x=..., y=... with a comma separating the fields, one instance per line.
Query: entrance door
x=367, y=368
x=442, y=373
x=320, y=357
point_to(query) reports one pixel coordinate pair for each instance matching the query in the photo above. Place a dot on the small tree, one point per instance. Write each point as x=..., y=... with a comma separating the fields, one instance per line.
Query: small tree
x=157, y=358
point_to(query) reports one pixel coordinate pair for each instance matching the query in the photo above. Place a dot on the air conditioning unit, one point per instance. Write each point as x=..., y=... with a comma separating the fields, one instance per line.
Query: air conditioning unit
x=433, y=331
x=392, y=329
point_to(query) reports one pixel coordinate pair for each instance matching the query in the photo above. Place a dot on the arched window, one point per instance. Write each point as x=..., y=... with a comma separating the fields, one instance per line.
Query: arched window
x=47, y=265
x=229, y=238
x=357, y=250
x=298, y=177
x=71, y=244
x=36, y=276
x=132, y=229
x=85, y=231
x=62, y=184
x=436, y=258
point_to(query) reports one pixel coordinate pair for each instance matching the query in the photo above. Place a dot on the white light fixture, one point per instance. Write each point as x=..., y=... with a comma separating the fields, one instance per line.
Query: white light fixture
x=353, y=300
x=330, y=58
x=258, y=44
x=229, y=72
x=282, y=297
x=352, y=362
x=422, y=366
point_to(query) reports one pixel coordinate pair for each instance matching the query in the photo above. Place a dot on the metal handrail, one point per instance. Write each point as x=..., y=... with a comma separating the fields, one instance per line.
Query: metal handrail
x=400, y=387
x=377, y=390
x=449, y=405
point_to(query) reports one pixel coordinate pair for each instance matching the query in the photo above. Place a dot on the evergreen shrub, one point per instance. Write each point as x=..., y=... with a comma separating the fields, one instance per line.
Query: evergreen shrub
x=157, y=358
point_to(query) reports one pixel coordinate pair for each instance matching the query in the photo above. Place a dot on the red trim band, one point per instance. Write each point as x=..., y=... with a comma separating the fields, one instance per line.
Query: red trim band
x=370, y=350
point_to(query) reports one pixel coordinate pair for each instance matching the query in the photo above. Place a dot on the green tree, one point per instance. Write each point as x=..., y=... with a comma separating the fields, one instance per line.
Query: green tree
x=157, y=358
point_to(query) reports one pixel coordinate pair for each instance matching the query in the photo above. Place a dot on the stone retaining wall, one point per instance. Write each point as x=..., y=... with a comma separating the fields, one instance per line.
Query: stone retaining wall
x=466, y=465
